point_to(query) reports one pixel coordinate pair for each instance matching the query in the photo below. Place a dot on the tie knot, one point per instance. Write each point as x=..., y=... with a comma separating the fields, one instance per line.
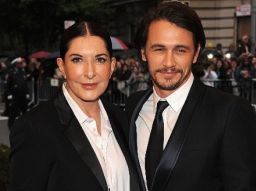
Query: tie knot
x=161, y=105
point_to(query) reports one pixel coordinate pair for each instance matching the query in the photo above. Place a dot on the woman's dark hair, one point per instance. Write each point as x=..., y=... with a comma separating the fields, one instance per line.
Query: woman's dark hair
x=83, y=28
x=174, y=12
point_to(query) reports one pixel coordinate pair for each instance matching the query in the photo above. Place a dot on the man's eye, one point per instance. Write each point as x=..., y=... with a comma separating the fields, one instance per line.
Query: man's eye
x=181, y=50
x=76, y=60
x=158, y=49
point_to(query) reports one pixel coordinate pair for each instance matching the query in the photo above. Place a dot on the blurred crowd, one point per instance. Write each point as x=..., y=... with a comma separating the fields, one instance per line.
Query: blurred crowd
x=130, y=76
x=232, y=71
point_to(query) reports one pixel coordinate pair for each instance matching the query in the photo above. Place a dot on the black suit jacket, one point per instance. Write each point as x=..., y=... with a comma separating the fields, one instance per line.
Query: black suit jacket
x=50, y=152
x=212, y=146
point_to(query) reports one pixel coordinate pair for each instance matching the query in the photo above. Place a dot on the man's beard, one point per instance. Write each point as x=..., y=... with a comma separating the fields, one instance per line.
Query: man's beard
x=169, y=85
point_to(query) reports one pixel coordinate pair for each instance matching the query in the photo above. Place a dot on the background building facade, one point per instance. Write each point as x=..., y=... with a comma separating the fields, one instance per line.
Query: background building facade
x=224, y=21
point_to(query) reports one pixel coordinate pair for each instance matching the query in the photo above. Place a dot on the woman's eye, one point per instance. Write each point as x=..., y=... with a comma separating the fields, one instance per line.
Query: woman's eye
x=101, y=60
x=76, y=60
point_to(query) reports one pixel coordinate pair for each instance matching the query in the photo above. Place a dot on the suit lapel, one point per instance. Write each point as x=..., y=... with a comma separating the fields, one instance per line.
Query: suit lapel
x=116, y=127
x=114, y=123
x=80, y=142
x=175, y=142
x=78, y=139
x=133, y=133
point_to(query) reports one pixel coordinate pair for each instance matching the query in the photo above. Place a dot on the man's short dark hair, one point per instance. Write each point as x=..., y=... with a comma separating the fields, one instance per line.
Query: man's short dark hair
x=174, y=12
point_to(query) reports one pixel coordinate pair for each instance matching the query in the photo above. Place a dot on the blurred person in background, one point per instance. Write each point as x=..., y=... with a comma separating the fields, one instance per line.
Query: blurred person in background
x=3, y=69
x=230, y=52
x=209, y=74
x=245, y=75
x=17, y=92
x=253, y=70
x=75, y=142
x=244, y=46
x=113, y=93
x=3, y=84
x=219, y=50
x=234, y=75
x=33, y=74
x=221, y=69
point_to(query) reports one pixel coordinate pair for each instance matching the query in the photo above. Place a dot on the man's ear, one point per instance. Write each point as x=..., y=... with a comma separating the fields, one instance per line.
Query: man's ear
x=143, y=54
x=196, y=55
x=60, y=64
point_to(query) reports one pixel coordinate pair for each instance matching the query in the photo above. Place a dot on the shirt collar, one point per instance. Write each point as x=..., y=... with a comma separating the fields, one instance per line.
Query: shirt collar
x=177, y=99
x=104, y=117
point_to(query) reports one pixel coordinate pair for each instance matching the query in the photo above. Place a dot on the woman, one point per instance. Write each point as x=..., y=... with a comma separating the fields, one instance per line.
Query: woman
x=74, y=142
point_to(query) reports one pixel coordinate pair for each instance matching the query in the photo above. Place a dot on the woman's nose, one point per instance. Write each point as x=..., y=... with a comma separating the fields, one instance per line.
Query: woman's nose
x=90, y=70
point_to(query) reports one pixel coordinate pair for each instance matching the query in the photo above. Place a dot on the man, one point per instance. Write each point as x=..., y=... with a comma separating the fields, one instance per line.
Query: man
x=202, y=139
x=17, y=90
x=244, y=47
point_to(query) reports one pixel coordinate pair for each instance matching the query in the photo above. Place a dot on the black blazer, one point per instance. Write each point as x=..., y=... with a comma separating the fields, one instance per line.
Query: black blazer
x=212, y=146
x=50, y=152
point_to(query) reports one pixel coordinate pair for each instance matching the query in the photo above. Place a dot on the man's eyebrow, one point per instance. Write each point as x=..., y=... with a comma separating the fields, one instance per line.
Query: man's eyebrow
x=182, y=46
x=175, y=46
x=157, y=46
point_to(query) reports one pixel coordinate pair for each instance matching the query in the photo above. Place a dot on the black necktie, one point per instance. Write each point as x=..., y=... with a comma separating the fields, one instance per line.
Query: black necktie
x=155, y=144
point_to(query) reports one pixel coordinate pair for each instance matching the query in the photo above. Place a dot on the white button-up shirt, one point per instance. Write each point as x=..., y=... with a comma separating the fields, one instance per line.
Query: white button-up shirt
x=105, y=146
x=170, y=115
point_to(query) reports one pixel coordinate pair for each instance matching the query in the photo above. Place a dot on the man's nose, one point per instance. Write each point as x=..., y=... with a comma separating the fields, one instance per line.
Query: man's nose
x=169, y=59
